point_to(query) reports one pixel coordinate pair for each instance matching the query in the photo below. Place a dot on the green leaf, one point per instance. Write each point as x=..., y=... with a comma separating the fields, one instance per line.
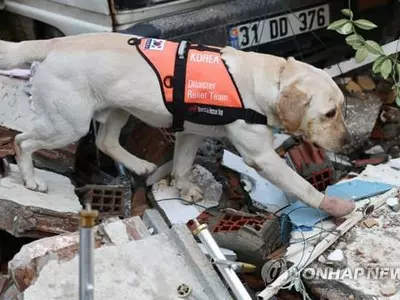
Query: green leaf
x=364, y=24
x=376, y=67
x=345, y=29
x=398, y=100
x=357, y=46
x=353, y=39
x=356, y=41
x=347, y=12
x=386, y=68
x=374, y=48
x=398, y=69
x=361, y=54
x=337, y=24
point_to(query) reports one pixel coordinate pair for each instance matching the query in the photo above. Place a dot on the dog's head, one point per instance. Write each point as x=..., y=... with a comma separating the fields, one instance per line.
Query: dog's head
x=310, y=103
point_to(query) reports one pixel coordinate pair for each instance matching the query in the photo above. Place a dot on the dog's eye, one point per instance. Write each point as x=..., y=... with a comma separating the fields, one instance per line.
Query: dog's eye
x=330, y=114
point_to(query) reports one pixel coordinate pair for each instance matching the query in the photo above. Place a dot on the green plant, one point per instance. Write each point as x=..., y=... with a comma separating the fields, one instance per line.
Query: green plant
x=388, y=66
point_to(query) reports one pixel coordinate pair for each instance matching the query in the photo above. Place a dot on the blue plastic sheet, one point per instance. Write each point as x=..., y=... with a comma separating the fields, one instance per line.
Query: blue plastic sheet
x=304, y=217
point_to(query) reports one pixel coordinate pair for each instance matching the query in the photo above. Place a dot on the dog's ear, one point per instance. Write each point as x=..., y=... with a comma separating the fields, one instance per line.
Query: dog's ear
x=291, y=107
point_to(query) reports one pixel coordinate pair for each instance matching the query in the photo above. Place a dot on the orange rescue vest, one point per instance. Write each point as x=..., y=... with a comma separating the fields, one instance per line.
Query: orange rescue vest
x=195, y=83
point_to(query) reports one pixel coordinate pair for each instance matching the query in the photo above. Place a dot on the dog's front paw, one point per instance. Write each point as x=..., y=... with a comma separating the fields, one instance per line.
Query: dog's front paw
x=36, y=184
x=145, y=168
x=189, y=191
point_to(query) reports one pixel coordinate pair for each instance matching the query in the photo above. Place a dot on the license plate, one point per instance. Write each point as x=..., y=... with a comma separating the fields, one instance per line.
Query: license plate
x=269, y=30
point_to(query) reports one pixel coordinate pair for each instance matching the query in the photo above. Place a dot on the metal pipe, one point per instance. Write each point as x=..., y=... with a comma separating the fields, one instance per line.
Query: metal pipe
x=215, y=252
x=86, y=247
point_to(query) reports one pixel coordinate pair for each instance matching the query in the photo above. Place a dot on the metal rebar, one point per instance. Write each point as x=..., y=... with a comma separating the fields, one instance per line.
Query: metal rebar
x=86, y=247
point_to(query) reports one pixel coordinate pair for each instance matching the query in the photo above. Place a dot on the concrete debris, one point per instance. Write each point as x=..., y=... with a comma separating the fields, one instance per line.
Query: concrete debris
x=341, y=245
x=31, y=214
x=361, y=116
x=209, y=155
x=374, y=251
x=154, y=221
x=136, y=268
x=388, y=289
x=393, y=203
x=26, y=264
x=375, y=150
x=116, y=232
x=337, y=259
x=212, y=189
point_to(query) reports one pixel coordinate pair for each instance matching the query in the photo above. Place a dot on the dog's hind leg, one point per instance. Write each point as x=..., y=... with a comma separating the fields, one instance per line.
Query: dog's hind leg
x=107, y=141
x=41, y=137
x=186, y=147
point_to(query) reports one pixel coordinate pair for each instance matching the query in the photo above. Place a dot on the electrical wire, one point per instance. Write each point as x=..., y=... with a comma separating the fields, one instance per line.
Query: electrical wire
x=181, y=199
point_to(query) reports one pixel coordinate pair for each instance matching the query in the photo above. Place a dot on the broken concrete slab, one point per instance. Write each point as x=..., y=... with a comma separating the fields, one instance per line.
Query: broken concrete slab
x=60, y=196
x=121, y=232
x=361, y=116
x=154, y=221
x=25, y=213
x=27, y=263
x=137, y=268
x=212, y=189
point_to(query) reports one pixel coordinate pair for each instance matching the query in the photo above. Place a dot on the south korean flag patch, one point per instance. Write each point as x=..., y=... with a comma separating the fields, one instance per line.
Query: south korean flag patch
x=154, y=44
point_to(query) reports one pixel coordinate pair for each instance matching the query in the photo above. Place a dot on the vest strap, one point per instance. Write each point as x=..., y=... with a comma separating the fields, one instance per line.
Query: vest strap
x=179, y=87
x=249, y=115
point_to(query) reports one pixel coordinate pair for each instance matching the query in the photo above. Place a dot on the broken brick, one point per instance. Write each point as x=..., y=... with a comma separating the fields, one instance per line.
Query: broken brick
x=108, y=200
x=353, y=87
x=366, y=83
x=370, y=222
x=151, y=144
x=139, y=202
x=311, y=163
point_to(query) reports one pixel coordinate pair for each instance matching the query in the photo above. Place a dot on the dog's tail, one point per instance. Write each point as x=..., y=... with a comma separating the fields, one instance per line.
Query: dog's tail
x=19, y=55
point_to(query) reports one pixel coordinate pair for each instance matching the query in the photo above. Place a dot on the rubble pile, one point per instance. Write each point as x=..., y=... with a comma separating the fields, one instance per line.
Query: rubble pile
x=260, y=230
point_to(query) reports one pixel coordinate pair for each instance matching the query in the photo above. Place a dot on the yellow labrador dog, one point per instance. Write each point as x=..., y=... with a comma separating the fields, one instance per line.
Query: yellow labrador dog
x=100, y=76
